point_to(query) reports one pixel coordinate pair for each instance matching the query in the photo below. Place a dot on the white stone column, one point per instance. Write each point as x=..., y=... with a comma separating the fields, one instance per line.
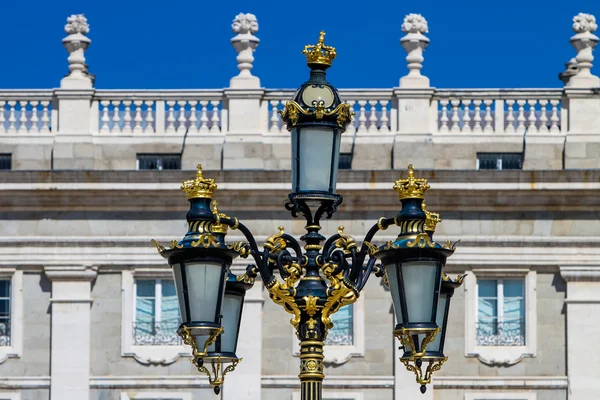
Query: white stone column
x=71, y=325
x=245, y=382
x=583, y=329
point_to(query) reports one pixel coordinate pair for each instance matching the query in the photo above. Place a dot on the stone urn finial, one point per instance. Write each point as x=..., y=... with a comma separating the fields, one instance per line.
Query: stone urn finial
x=245, y=43
x=414, y=43
x=76, y=44
x=584, y=42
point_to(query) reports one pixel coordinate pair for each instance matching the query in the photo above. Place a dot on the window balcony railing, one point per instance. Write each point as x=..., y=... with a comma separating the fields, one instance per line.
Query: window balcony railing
x=5, y=333
x=495, y=333
x=153, y=333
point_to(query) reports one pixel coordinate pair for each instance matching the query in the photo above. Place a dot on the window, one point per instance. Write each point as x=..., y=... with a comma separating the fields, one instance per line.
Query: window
x=501, y=315
x=158, y=161
x=499, y=161
x=342, y=333
x=5, y=161
x=156, y=313
x=501, y=312
x=11, y=313
x=501, y=396
x=5, y=312
x=150, y=317
x=345, y=161
x=155, y=396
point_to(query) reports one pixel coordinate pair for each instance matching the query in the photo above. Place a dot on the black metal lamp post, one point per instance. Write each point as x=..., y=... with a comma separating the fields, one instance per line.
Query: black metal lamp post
x=321, y=276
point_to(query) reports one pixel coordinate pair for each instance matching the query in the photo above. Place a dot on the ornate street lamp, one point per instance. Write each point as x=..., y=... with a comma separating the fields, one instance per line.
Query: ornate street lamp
x=322, y=276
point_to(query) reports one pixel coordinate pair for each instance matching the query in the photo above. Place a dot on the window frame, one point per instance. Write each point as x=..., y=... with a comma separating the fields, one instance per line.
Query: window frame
x=15, y=350
x=500, y=300
x=340, y=354
x=144, y=354
x=500, y=355
x=157, y=299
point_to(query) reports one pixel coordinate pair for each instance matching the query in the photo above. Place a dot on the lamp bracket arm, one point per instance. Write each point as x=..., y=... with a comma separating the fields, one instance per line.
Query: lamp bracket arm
x=367, y=247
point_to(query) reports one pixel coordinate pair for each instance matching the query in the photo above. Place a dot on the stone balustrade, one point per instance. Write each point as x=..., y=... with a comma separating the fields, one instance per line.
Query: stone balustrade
x=238, y=127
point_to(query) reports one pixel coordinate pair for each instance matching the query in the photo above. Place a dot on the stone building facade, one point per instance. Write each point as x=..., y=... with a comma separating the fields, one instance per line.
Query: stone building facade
x=90, y=176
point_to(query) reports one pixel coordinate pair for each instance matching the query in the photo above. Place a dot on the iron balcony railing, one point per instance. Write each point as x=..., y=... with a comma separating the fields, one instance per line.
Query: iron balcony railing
x=495, y=333
x=153, y=333
x=4, y=332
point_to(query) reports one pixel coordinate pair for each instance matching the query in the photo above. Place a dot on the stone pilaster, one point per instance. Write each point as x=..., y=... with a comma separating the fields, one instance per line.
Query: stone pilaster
x=245, y=382
x=71, y=325
x=583, y=314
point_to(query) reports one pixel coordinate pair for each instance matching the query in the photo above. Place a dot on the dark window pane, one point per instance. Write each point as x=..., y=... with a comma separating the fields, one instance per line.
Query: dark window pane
x=4, y=288
x=345, y=161
x=500, y=160
x=159, y=161
x=5, y=161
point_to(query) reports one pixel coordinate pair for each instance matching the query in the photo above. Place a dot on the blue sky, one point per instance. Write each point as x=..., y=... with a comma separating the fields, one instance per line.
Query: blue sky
x=185, y=44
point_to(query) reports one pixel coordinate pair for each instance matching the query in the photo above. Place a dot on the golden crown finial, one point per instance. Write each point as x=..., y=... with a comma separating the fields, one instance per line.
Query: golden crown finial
x=431, y=219
x=411, y=188
x=319, y=54
x=199, y=188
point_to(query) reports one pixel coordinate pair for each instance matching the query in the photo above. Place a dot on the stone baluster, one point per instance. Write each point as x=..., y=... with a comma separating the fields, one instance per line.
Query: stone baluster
x=521, y=116
x=455, y=103
x=127, y=117
x=466, y=116
x=76, y=44
x=444, y=116
x=414, y=43
x=245, y=43
x=116, y=117
x=23, y=117
x=362, y=116
x=274, y=128
x=543, y=116
x=2, y=117
x=193, y=118
x=34, y=117
x=532, y=125
x=137, y=118
x=554, y=116
x=488, y=116
x=105, y=119
x=372, y=116
x=12, y=119
x=181, y=120
x=215, y=120
x=584, y=42
x=171, y=117
x=477, y=116
x=385, y=121
x=149, y=128
x=204, y=117
x=510, y=118
x=45, y=128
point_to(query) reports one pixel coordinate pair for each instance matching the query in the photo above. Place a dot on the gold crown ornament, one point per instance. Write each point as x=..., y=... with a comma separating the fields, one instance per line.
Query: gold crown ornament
x=199, y=188
x=319, y=54
x=431, y=219
x=411, y=188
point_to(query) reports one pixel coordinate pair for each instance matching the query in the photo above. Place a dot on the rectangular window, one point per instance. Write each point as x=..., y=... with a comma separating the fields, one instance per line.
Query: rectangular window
x=5, y=161
x=499, y=161
x=158, y=161
x=501, y=312
x=5, y=312
x=342, y=333
x=345, y=161
x=156, y=313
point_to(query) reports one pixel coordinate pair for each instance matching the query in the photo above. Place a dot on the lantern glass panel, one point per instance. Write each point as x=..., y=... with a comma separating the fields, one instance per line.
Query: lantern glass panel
x=439, y=320
x=392, y=274
x=419, y=278
x=315, y=153
x=202, y=282
x=232, y=310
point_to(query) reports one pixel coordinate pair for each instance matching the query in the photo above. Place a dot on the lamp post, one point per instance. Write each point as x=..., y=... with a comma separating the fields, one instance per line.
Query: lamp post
x=317, y=279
